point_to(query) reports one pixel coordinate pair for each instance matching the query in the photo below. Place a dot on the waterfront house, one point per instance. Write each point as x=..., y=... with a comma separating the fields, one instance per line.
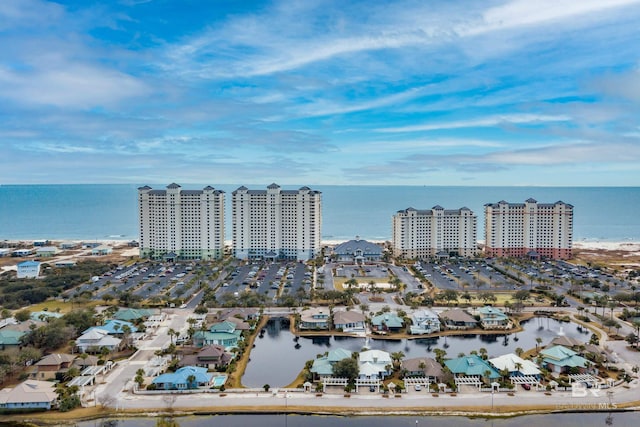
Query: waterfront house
x=562, y=360
x=47, y=367
x=323, y=366
x=349, y=321
x=4, y=252
x=493, y=318
x=187, y=377
x=28, y=270
x=458, y=319
x=387, y=322
x=314, y=318
x=212, y=357
x=244, y=313
x=424, y=321
x=95, y=339
x=472, y=366
x=223, y=333
x=29, y=394
x=515, y=365
x=374, y=364
x=423, y=367
x=357, y=251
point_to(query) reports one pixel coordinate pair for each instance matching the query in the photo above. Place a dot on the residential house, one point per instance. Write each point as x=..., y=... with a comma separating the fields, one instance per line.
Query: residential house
x=116, y=327
x=472, y=366
x=10, y=338
x=223, y=333
x=357, y=251
x=562, y=360
x=244, y=313
x=47, y=367
x=101, y=250
x=45, y=315
x=515, y=365
x=493, y=318
x=458, y=319
x=29, y=394
x=212, y=357
x=28, y=270
x=132, y=314
x=22, y=253
x=374, y=364
x=387, y=322
x=314, y=318
x=423, y=367
x=349, y=321
x=46, y=251
x=95, y=339
x=424, y=321
x=323, y=366
x=187, y=377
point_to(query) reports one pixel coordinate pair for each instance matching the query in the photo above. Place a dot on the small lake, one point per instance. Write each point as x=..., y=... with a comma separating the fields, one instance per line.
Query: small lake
x=566, y=420
x=276, y=361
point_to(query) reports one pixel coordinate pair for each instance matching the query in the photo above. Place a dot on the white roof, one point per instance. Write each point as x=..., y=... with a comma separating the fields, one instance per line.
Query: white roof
x=375, y=356
x=30, y=391
x=508, y=362
x=368, y=369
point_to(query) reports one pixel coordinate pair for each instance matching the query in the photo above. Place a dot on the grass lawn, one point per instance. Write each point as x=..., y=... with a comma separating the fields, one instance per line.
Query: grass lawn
x=338, y=282
x=61, y=306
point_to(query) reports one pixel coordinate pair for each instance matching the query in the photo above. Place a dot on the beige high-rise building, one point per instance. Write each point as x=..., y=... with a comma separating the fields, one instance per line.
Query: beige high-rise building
x=276, y=223
x=529, y=229
x=434, y=232
x=181, y=224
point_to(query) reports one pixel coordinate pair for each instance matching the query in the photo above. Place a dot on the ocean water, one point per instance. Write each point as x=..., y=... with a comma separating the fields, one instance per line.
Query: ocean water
x=104, y=211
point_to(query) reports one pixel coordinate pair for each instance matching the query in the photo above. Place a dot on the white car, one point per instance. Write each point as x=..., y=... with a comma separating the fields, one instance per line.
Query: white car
x=418, y=387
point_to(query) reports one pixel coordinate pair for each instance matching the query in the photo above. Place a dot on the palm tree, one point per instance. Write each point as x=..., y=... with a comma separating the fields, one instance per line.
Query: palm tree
x=397, y=357
x=191, y=381
x=171, y=332
x=538, y=342
x=519, y=351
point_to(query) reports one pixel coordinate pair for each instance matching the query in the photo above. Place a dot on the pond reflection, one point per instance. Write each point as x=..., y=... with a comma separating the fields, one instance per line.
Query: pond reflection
x=278, y=356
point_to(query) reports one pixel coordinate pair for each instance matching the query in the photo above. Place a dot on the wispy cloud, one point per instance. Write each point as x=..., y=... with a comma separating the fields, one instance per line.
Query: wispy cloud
x=482, y=122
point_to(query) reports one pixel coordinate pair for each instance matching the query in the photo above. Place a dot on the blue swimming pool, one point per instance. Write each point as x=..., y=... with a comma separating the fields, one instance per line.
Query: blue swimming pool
x=219, y=380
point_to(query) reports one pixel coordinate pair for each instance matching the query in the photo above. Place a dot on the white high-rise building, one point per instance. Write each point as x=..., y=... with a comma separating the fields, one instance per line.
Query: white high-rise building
x=434, y=232
x=529, y=229
x=184, y=224
x=276, y=223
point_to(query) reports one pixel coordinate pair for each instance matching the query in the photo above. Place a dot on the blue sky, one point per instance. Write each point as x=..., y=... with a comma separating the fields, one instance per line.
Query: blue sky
x=423, y=92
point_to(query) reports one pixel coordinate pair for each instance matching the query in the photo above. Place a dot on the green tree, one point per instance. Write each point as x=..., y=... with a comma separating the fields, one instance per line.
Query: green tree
x=346, y=368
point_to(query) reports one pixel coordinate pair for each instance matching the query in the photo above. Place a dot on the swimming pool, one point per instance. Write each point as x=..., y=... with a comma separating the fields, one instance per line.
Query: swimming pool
x=219, y=380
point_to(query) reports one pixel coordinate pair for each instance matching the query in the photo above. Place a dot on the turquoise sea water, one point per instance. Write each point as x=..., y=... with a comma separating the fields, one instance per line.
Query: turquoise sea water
x=109, y=211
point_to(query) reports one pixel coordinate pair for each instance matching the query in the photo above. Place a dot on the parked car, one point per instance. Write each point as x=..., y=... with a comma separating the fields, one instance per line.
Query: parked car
x=526, y=386
x=418, y=387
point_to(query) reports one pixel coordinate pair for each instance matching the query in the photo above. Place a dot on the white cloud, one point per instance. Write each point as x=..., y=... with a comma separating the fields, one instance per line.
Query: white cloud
x=482, y=122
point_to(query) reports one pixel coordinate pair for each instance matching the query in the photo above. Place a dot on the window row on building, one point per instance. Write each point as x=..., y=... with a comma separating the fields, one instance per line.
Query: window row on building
x=189, y=224
x=529, y=229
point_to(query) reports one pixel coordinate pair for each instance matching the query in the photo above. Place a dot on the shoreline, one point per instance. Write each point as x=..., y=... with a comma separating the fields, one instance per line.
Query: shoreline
x=498, y=412
x=585, y=244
